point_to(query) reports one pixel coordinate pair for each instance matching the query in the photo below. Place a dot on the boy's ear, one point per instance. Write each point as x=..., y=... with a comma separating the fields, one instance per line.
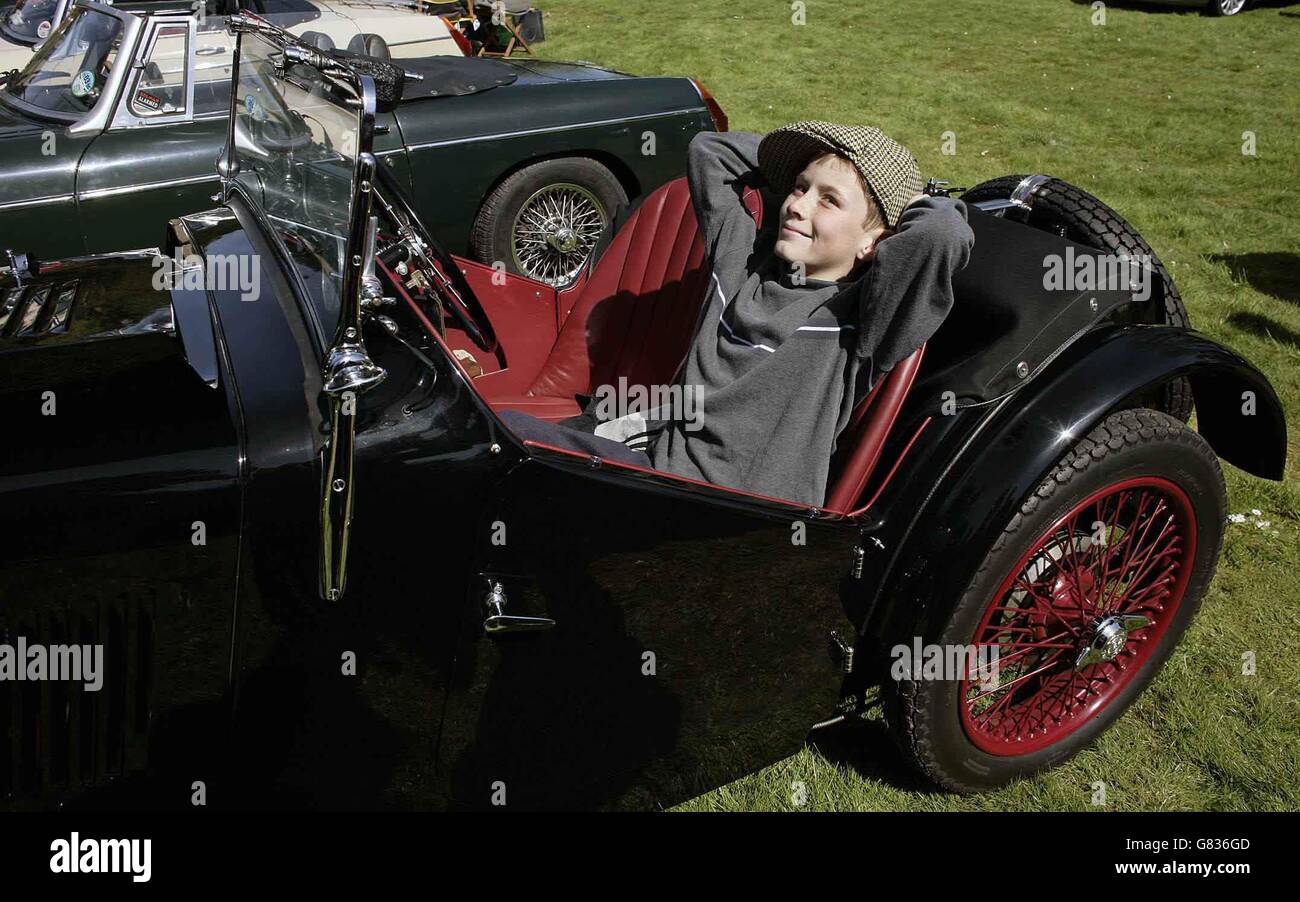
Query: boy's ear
x=868, y=248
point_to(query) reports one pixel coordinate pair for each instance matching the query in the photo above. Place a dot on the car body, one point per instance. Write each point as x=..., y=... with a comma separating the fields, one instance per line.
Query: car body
x=291, y=508
x=25, y=24
x=94, y=179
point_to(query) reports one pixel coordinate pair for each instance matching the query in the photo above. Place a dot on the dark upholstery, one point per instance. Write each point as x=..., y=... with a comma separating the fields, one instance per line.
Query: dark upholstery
x=317, y=39
x=371, y=45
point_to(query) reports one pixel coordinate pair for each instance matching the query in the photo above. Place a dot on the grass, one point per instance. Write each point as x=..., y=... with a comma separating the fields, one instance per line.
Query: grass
x=1147, y=112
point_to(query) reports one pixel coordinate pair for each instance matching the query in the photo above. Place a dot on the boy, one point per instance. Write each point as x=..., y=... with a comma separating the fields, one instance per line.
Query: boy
x=801, y=320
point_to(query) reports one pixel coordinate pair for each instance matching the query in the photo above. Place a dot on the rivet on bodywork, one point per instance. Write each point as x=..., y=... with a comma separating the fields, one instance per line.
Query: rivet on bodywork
x=1022, y=369
x=338, y=485
x=494, y=448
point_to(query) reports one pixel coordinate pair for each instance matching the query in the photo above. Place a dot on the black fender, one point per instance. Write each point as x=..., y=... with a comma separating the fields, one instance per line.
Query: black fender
x=956, y=517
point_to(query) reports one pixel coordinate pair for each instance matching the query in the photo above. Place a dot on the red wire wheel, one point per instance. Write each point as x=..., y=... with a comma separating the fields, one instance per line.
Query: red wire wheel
x=1079, y=615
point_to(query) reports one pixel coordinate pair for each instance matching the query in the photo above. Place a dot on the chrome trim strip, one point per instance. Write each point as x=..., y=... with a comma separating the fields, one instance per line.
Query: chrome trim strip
x=555, y=128
x=135, y=189
x=124, y=117
x=37, y=201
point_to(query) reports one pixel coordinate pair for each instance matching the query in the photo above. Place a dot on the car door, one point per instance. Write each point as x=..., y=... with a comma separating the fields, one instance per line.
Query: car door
x=690, y=642
x=157, y=158
x=38, y=208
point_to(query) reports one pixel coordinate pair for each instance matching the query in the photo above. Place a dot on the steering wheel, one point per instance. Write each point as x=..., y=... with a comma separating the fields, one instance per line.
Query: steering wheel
x=460, y=301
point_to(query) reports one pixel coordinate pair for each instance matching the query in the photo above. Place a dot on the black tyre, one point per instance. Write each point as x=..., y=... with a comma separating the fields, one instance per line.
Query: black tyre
x=1071, y=212
x=1139, y=501
x=546, y=219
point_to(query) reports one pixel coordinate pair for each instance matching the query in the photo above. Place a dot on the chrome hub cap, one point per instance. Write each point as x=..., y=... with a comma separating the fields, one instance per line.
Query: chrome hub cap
x=1109, y=638
x=555, y=231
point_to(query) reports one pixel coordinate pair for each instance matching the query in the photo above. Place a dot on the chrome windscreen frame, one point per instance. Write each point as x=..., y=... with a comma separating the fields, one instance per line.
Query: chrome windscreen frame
x=347, y=372
x=99, y=118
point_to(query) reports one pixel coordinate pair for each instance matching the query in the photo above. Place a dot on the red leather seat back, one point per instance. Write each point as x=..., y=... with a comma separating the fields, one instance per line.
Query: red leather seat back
x=637, y=314
x=864, y=438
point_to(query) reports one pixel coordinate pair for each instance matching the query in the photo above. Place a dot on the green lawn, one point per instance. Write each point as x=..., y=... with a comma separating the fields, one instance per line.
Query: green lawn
x=1147, y=112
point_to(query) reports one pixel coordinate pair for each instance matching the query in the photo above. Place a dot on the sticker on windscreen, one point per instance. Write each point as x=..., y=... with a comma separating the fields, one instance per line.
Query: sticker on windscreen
x=43, y=30
x=253, y=108
x=84, y=84
x=147, y=100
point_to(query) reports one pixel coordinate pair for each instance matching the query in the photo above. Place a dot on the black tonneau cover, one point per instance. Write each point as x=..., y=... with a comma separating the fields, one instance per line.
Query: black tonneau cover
x=449, y=76
x=1005, y=326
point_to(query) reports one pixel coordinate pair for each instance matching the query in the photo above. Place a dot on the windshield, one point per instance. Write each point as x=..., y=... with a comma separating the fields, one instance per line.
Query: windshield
x=296, y=135
x=29, y=21
x=67, y=73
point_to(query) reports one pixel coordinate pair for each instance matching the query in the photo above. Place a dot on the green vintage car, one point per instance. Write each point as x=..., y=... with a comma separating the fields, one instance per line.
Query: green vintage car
x=116, y=123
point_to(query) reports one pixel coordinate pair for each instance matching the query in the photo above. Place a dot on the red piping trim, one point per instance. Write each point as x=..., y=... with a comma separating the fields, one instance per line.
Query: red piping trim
x=892, y=470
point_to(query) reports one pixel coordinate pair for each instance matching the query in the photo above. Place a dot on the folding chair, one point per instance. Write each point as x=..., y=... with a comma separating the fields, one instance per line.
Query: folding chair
x=511, y=11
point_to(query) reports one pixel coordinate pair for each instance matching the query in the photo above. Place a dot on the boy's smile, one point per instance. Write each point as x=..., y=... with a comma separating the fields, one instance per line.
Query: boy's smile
x=827, y=222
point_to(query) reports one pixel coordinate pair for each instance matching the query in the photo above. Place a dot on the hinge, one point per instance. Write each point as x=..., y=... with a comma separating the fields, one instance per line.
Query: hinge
x=841, y=653
x=859, y=556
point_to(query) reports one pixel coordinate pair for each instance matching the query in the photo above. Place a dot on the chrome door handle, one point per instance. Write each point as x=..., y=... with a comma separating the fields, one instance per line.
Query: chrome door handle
x=510, y=623
x=497, y=621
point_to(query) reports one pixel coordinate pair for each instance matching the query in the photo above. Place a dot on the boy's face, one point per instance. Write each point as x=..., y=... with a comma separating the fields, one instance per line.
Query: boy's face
x=824, y=220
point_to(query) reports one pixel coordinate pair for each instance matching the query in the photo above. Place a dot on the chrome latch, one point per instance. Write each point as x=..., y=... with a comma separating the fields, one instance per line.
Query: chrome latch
x=841, y=653
x=859, y=557
x=497, y=621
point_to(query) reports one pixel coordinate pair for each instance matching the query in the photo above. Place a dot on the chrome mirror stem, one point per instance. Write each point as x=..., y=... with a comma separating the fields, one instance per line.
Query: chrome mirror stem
x=348, y=373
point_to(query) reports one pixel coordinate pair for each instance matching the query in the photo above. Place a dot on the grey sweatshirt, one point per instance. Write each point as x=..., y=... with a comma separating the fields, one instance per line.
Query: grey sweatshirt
x=779, y=365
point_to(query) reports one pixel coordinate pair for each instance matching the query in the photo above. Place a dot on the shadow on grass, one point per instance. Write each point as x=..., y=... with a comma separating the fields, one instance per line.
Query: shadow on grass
x=1264, y=327
x=1272, y=273
x=865, y=748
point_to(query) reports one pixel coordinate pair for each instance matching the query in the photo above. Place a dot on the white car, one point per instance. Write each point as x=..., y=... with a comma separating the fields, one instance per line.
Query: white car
x=406, y=30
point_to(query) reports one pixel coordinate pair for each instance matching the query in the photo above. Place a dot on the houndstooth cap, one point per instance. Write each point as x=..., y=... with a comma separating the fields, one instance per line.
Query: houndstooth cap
x=887, y=167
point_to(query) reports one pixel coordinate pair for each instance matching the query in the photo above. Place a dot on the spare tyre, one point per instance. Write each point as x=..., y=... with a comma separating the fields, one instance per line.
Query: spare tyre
x=1067, y=210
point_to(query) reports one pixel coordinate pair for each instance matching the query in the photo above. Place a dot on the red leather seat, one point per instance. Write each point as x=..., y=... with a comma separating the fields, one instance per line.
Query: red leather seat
x=638, y=311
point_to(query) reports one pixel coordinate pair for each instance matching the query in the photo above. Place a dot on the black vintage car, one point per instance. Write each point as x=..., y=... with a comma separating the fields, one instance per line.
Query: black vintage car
x=323, y=573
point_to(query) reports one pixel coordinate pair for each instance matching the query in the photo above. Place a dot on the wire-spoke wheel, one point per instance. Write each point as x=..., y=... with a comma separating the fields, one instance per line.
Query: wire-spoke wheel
x=547, y=219
x=1079, y=615
x=1227, y=7
x=1073, y=610
x=555, y=231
